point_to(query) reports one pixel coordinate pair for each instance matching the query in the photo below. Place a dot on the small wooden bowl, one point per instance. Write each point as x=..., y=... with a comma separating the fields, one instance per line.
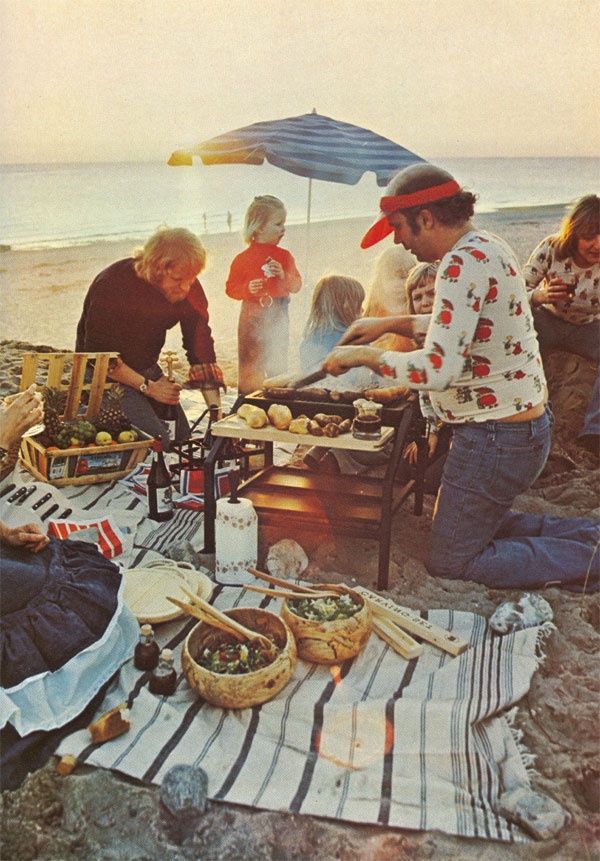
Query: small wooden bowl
x=247, y=689
x=330, y=642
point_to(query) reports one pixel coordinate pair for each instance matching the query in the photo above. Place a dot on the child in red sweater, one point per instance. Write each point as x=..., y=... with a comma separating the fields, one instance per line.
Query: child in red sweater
x=262, y=277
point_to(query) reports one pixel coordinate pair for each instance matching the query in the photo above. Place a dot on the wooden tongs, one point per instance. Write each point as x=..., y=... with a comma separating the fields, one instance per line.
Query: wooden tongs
x=205, y=612
x=390, y=621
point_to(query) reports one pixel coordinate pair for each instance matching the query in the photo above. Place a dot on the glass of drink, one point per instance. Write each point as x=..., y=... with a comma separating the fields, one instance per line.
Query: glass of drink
x=367, y=419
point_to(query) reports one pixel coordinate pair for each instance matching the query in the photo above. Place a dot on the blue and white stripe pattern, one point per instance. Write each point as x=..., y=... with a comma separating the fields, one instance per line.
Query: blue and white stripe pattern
x=311, y=145
x=418, y=744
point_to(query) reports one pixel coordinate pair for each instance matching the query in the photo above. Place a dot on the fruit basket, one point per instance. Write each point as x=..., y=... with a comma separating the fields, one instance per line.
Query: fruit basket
x=84, y=441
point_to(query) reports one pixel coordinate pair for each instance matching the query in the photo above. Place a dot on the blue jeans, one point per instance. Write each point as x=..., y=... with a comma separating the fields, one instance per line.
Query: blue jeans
x=475, y=536
x=139, y=410
x=556, y=334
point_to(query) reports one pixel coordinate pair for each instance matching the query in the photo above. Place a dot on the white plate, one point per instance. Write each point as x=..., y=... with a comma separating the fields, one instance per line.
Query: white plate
x=146, y=589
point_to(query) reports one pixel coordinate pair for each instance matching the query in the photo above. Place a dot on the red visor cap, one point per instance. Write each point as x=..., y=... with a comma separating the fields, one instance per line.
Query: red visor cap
x=382, y=228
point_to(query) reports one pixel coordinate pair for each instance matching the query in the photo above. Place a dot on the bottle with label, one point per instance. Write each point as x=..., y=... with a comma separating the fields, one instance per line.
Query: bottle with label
x=147, y=651
x=169, y=411
x=163, y=680
x=160, y=491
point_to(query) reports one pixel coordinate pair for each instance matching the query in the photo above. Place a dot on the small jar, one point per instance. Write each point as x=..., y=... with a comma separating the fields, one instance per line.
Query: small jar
x=163, y=680
x=147, y=651
x=367, y=419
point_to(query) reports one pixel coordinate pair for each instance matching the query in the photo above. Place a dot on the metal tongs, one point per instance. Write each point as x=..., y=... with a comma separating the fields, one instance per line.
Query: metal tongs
x=297, y=383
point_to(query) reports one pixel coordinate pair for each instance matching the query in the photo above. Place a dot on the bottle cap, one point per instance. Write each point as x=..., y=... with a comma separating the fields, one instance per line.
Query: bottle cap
x=166, y=655
x=146, y=630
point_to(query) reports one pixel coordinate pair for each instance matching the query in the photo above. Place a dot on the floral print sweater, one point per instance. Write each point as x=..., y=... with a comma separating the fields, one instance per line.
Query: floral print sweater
x=584, y=305
x=481, y=357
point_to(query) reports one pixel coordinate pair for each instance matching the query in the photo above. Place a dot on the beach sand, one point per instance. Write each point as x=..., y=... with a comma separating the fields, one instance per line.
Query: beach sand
x=43, y=290
x=92, y=814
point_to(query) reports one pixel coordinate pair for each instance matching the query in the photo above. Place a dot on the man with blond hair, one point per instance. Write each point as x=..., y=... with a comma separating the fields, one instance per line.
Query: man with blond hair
x=481, y=367
x=129, y=308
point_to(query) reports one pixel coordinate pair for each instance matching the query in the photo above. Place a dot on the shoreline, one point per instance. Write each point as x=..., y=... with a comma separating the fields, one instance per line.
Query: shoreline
x=518, y=213
x=43, y=289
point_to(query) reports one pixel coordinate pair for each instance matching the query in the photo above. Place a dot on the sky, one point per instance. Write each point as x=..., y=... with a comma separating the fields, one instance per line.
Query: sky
x=133, y=80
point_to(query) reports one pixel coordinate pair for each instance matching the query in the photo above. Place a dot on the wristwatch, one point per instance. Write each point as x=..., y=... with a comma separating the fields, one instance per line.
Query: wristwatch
x=144, y=387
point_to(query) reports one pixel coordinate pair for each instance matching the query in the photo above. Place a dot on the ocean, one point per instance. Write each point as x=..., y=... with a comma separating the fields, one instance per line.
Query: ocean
x=62, y=205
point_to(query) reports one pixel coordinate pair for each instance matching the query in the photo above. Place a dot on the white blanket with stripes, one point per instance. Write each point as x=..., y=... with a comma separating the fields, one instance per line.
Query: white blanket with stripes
x=422, y=744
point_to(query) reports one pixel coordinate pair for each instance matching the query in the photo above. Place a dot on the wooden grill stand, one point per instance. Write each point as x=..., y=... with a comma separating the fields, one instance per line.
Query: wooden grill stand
x=349, y=504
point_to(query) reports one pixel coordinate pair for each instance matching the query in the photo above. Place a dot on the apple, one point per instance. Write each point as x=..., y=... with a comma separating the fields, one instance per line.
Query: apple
x=103, y=438
x=126, y=436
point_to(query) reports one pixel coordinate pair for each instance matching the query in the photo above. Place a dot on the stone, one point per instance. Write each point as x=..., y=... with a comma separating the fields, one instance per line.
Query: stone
x=184, y=790
x=537, y=814
x=286, y=559
x=182, y=551
x=528, y=611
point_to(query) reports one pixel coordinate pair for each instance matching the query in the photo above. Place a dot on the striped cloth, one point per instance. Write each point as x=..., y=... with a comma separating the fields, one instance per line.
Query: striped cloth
x=311, y=145
x=422, y=744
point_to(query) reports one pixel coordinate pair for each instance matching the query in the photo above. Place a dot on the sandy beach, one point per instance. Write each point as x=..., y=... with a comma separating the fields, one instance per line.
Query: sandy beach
x=43, y=290
x=56, y=817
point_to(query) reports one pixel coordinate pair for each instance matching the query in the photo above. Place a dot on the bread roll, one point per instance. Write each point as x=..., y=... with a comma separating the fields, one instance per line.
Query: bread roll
x=387, y=395
x=255, y=417
x=315, y=428
x=110, y=724
x=331, y=430
x=345, y=425
x=299, y=425
x=280, y=416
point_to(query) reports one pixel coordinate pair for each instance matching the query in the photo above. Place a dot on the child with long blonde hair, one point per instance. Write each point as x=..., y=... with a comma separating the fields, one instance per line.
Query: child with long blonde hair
x=336, y=302
x=262, y=277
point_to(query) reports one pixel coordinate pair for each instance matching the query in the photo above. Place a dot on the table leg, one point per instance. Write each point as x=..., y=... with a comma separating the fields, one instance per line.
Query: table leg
x=210, y=502
x=385, y=530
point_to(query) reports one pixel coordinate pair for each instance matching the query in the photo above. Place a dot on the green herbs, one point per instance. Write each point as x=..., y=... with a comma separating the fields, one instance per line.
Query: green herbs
x=237, y=658
x=325, y=609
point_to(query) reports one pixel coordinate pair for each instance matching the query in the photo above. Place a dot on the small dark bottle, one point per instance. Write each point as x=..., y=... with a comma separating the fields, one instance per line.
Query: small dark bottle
x=160, y=492
x=147, y=651
x=163, y=680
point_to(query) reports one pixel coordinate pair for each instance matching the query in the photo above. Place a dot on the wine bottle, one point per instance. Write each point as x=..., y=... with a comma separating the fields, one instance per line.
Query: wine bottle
x=169, y=411
x=160, y=492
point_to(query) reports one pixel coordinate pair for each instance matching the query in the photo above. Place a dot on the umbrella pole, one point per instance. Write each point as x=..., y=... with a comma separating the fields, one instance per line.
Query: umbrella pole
x=307, y=252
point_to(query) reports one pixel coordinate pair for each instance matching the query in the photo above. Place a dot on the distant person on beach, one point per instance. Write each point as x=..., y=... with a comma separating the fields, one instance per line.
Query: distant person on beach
x=262, y=278
x=387, y=293
x=482, y=368
x=563, y=282
x=129, y=308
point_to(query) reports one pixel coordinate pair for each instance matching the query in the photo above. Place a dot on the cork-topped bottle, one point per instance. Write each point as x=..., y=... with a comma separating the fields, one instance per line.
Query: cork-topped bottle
x=163, y=680
x=147, y=651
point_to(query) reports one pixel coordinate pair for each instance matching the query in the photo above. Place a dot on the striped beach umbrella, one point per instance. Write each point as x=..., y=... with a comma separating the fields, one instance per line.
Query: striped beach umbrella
x=311, y=145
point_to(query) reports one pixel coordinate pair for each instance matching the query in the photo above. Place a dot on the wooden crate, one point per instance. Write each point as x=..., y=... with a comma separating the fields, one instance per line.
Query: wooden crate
x=90, y=464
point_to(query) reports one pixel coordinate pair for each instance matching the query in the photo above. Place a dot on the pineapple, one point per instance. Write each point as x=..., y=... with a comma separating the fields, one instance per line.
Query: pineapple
x=111, y=417
x=54, y=406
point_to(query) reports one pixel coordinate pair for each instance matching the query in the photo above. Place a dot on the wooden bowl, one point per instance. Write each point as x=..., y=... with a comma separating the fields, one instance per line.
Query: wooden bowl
x=330, y=642
x=247, y=689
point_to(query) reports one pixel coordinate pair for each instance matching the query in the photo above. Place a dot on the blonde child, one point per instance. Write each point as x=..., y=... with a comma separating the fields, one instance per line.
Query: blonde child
x=420, y=295
x=336, y=302
x=387, y=295
x=262, y=278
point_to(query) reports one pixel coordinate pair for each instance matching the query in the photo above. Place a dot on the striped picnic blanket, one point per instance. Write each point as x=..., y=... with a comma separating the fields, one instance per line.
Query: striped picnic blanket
x=422, y=744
